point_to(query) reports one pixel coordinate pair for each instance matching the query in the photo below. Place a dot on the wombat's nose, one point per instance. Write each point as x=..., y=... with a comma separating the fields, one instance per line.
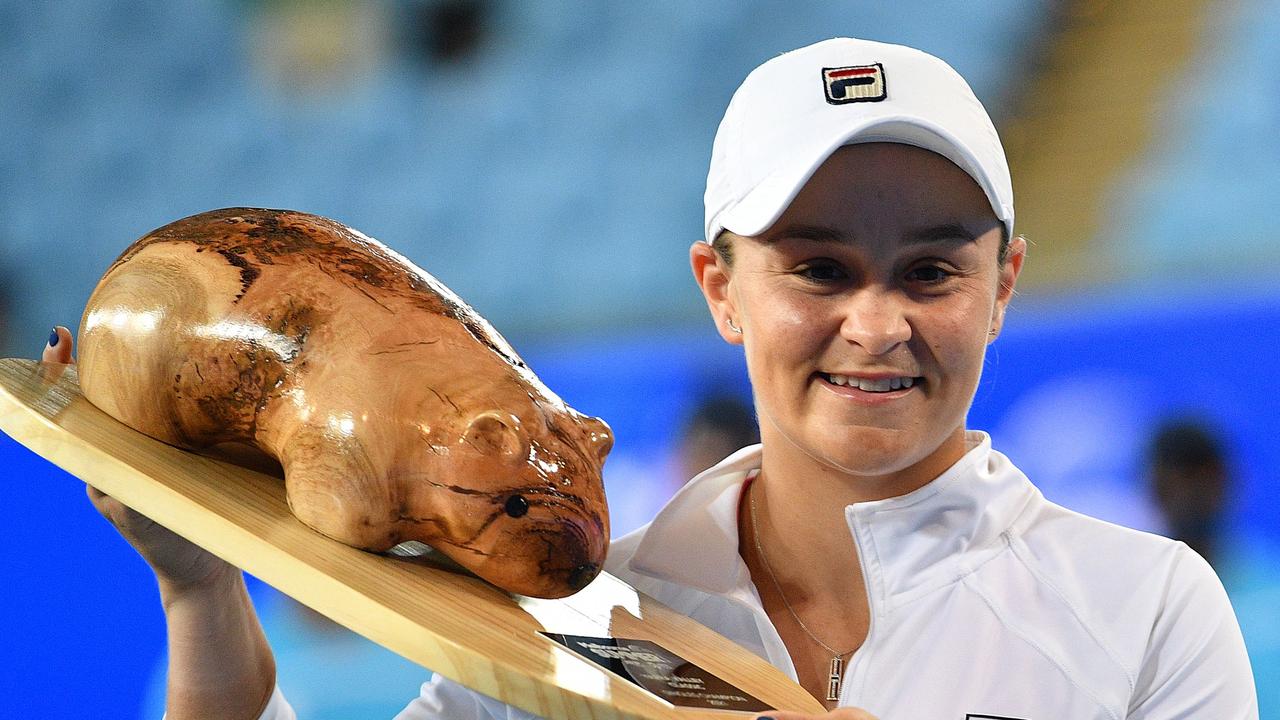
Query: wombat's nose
x=583, y=575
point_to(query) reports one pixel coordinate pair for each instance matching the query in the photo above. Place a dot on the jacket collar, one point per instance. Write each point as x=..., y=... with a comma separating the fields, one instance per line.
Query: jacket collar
x=693, y=540
x=914, y=542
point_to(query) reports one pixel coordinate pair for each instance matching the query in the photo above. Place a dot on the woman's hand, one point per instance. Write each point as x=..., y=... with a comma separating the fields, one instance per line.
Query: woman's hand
x=837, y=714
x=178, y=564
x=219, y=662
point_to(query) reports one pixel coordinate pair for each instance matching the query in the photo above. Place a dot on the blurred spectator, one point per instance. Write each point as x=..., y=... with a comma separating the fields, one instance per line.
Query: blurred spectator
x=448, y=30
x=718, y=425
x=1190, y=472
x=1190, y=481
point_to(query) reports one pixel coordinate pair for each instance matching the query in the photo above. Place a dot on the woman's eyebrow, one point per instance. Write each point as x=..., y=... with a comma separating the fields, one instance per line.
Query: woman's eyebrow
x=817, y=233
x=946, y=232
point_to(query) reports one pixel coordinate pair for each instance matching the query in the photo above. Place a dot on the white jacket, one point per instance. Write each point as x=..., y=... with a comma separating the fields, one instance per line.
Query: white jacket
x=987, y=601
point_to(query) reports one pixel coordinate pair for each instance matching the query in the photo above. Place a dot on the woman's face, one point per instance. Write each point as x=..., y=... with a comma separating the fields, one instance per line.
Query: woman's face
x=866, y=311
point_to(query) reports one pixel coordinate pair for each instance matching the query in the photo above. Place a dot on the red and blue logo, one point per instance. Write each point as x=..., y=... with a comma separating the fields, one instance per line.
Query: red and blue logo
x=856, y=83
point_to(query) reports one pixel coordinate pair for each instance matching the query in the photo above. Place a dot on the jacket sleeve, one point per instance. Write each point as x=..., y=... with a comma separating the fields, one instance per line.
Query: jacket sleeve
x=443, y=699
x=277, y=708
x=1195, y=664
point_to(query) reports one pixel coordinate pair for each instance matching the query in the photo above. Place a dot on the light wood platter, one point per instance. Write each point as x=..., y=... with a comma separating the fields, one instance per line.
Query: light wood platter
x=447, y=621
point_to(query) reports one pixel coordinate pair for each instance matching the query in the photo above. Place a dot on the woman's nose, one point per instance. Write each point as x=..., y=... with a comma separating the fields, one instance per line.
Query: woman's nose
x=875, y=321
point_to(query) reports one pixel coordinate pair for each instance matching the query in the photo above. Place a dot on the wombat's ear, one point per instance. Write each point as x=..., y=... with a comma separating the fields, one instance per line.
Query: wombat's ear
x=599, y=436
x=493, y=432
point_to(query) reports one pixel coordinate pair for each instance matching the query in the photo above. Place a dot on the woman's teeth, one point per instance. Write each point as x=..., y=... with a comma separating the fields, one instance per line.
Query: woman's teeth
x=866, y=385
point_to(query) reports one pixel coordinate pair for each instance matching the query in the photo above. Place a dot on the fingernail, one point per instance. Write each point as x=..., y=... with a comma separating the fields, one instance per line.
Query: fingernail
x=53, y=338
x=764, y=717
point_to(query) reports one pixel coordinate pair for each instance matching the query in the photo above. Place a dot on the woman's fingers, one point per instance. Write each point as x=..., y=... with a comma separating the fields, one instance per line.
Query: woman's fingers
x=174, y=559
x=128, y=522
x=837, y=714
x=58, y=348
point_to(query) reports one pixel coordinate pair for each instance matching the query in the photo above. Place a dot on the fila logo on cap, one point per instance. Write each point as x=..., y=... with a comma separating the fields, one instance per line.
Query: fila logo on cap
x=856, y=83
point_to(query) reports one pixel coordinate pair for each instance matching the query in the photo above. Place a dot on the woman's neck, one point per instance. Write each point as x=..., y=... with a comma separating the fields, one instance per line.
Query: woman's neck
x=812, y=589
x=800, y=510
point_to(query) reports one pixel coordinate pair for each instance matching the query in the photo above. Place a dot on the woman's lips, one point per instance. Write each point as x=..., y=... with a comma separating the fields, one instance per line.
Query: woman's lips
x=871, y=389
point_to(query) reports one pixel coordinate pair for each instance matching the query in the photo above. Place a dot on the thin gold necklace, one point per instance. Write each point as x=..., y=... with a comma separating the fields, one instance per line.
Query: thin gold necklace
x=837, y=661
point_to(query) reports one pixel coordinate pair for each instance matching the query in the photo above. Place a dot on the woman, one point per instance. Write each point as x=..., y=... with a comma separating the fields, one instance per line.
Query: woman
x=859, y=248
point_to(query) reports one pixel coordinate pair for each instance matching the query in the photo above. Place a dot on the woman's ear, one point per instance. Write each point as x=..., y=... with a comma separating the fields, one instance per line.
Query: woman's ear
x=711, y=272
x=1015, y=254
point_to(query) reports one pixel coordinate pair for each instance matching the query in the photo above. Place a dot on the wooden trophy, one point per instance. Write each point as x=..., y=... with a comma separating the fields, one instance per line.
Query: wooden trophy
x=307, y=405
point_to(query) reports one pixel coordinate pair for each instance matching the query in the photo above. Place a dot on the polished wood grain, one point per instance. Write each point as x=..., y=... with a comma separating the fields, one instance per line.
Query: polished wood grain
x=442, y=618
x=396, y=412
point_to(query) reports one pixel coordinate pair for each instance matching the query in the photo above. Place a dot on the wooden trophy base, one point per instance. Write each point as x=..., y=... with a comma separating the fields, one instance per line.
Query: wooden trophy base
x=420, y=607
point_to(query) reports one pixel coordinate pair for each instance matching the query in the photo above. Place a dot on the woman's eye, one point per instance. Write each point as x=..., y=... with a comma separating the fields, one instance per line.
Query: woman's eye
x=822, y=272
x=928, y=274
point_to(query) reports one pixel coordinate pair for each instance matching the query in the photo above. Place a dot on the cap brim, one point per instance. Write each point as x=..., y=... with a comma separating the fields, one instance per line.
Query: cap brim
x=765, y=203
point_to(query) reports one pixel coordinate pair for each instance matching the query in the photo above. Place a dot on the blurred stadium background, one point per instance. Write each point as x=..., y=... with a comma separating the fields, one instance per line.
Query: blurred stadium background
x=546, y=159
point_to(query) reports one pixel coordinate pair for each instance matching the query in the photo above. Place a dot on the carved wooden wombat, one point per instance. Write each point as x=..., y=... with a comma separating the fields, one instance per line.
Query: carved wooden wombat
x=396, y=412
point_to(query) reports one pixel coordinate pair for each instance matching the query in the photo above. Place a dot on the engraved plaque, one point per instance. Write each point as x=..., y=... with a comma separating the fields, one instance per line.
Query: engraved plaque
x=661, y=672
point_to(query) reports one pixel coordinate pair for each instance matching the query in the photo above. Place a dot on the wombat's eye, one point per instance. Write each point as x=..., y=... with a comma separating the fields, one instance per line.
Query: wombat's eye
x=516, y=506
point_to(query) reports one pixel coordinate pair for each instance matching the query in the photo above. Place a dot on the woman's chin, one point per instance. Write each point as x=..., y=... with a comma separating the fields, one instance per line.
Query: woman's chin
x=873, y=452
x=864, y=451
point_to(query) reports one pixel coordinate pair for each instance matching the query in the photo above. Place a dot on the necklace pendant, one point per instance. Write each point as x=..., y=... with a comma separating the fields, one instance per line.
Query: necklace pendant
x=833, y=683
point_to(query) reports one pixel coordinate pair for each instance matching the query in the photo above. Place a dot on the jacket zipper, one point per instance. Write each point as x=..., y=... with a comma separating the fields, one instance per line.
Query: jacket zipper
x=855, y=669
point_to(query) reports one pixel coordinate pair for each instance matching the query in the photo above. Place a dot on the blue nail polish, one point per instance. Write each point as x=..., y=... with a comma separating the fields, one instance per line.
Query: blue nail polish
x=53, y=337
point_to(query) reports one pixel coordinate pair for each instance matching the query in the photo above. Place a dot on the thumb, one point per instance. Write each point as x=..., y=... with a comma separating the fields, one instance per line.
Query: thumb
x=58, y=347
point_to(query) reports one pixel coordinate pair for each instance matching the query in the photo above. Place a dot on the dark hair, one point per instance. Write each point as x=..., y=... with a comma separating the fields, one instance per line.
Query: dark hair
x=723, y=247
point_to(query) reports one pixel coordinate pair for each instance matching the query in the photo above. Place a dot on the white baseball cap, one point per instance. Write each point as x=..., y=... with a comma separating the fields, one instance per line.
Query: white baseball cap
x=793, y=111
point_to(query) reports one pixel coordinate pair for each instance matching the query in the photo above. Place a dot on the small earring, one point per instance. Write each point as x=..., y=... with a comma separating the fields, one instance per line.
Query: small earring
x=733, y=327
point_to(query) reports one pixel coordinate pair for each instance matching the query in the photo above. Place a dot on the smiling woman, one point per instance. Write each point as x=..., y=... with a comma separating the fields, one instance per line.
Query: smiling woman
x=859, y=246
x=865, y=312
